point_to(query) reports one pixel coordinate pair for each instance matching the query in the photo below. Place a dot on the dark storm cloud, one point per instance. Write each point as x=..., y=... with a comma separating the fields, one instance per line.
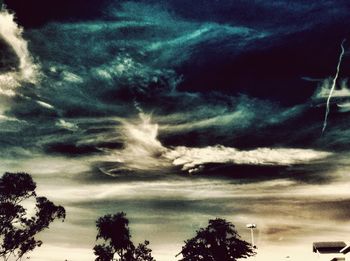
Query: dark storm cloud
x=259, y=13
x=310, y=174
x=35, y=13
x=270, y=68
x=303, y=41
x=97, y=67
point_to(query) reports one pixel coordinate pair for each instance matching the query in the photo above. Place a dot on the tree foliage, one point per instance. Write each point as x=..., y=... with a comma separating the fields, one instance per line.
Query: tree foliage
x=114, y=231
x=143, y=253
x=219, y=241
x=17, y=228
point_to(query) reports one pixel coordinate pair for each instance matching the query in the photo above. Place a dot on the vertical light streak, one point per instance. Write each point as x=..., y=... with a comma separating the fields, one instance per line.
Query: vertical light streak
x=333, y=85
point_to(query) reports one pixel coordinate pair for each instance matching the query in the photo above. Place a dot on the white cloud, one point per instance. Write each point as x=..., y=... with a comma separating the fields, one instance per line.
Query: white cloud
x=191, y=159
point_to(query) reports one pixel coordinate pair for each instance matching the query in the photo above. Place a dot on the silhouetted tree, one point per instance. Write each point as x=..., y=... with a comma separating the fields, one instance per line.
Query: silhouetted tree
x=114, y=230
x=143, y=253
x=117, y=245
x=17, y=227
x=219, y=241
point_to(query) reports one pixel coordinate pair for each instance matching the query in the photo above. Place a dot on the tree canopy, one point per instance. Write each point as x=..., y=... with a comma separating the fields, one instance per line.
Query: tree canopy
x=219, y=241
x=117, y=244
x=17, y=228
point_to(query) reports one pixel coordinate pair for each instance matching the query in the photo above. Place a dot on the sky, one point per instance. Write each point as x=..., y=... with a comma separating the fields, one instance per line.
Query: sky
x=178, y=112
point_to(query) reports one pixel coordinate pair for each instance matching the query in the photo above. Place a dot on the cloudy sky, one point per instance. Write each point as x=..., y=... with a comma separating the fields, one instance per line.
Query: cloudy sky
x=176, y=112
